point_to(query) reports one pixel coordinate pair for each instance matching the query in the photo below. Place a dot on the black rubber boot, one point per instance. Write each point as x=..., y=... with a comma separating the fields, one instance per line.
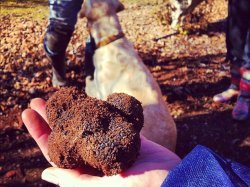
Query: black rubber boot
x=55, y=43
x=58, y=70
x=89, y=67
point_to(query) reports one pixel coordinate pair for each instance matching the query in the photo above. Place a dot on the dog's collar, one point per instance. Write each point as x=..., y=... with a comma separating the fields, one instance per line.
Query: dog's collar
x=110, y=39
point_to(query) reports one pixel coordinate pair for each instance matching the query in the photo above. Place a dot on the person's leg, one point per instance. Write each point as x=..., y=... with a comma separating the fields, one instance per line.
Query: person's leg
x=241, y=14
x=62, y=20
x=241, y=110
x=237, y=26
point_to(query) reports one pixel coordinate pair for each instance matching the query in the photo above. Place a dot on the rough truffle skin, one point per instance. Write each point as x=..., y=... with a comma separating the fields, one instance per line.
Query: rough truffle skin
x=87, y=132
x=129, y=106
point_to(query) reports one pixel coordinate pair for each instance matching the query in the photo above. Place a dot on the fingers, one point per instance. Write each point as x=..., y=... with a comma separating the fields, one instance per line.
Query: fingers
x=38, y=129
x=60, y=176
x=69, y=177
x=39, y=105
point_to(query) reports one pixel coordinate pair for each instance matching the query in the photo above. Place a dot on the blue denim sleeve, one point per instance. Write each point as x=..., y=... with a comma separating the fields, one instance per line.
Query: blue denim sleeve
x=204, y=168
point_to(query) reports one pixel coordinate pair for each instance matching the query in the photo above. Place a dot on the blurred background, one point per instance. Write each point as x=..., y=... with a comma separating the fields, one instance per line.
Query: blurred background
x=188, y=63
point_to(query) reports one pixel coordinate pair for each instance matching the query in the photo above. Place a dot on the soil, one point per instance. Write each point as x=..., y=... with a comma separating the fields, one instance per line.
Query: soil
x=190, y=69
x=103, y=135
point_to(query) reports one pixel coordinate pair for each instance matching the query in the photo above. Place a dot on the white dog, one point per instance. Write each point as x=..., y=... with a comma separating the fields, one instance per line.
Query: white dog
x=180, y=9
x=119, y=69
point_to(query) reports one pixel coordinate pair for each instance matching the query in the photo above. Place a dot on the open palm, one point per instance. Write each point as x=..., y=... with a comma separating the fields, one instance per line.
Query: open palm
x=150, y=168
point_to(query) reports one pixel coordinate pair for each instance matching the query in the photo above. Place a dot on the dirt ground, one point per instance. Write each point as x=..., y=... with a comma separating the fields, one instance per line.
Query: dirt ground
x=190, y=69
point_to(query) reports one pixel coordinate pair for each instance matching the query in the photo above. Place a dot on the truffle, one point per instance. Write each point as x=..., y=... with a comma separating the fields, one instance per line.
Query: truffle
x=87, y=132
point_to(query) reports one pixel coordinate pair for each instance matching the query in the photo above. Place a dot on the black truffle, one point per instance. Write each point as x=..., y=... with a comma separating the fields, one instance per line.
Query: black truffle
x=87, y=132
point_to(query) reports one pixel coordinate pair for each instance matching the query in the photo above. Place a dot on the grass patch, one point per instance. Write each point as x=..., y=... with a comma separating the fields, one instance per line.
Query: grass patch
x=139, y=2
x=36, y=9
x=39, y=9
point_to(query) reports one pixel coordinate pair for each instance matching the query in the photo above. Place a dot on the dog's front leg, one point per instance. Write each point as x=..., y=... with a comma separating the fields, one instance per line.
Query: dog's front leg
x=91, y=88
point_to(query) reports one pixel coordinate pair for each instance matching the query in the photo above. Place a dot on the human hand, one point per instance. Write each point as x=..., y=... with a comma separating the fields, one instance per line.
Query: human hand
x=150, y=168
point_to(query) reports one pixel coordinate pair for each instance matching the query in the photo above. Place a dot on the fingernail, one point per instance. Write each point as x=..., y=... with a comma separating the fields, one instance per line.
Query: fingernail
x=49, y=177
